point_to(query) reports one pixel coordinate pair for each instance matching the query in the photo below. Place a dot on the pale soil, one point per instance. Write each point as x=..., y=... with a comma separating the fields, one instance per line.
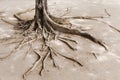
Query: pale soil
x=105, y=67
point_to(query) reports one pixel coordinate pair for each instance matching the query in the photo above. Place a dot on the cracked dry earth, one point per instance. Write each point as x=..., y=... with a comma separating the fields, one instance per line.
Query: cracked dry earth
x=102, y=65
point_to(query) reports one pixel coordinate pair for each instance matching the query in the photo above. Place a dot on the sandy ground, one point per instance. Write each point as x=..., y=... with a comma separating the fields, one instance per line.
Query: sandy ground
x=105, y=67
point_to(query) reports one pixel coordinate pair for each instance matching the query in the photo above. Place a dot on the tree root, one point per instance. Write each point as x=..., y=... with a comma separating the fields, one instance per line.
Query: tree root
x=34, y=65
x=68, y=58
x=13, y=51
x=48, y=26
x=67, y=39
x=41, y=60
x=63, y=29
x=21, y=43
x=64, y=41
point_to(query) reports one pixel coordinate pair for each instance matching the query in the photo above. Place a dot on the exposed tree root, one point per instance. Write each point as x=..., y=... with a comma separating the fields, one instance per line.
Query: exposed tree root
x=14, y=50
x=71, y=47
x=48, y=27
x=22, y=42
x=71, y=59
x=68, y=39
x=34, y=65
